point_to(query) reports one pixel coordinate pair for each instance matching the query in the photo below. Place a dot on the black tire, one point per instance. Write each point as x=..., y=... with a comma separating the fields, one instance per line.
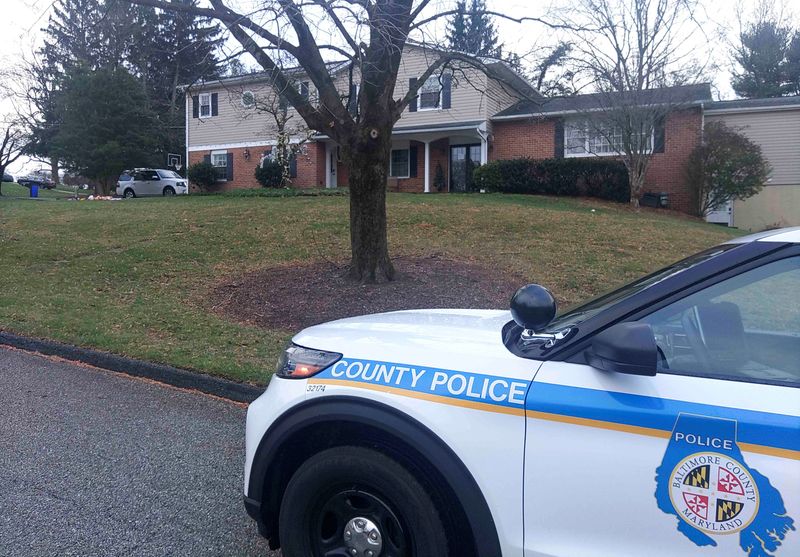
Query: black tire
x=342, y=483
x=168, y=191
x=129, y=193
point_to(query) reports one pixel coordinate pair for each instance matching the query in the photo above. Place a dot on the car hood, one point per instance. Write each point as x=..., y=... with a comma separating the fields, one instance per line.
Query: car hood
x=444, y=337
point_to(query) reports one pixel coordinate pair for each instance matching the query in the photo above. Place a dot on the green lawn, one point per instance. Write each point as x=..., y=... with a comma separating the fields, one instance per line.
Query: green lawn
x=12, y=189
x=132, y=277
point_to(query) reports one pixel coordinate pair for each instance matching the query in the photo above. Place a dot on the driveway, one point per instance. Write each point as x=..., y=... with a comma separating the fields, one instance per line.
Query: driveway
x=96, y=463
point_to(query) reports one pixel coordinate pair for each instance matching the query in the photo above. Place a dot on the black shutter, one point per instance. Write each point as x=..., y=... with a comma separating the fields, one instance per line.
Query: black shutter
x=214, y=104
x=412, y=106
x=412, y=161
x=229, y=169
x=196, y=106
x=304, y=89
x=283, y=103
x=207, y=158
x=659, y=135
x=352, y=101
x=447, y=87
x=558, y=140
x=293, y=166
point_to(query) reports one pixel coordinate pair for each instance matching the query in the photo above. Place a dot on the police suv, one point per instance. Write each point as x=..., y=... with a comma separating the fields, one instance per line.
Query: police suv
x=661, y=419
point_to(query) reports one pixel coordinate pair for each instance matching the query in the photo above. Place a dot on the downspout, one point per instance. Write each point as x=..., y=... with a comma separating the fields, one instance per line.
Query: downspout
x=483, y=133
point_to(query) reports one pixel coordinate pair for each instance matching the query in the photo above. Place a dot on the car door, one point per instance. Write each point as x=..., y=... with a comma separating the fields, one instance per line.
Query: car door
x=152, y=182
x=701, y=459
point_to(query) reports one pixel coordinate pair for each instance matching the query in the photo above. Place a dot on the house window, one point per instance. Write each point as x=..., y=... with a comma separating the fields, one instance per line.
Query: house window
x=219, y=160
x=430, y=94
x=248, y=99
x=205, y=105
x=587, y=140
x=399, y=167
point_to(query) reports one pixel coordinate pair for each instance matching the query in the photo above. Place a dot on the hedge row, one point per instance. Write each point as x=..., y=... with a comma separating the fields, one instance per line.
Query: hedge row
x=567, y=177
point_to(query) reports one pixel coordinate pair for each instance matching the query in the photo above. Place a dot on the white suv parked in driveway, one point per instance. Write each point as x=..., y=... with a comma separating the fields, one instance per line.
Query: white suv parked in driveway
x=149, y=181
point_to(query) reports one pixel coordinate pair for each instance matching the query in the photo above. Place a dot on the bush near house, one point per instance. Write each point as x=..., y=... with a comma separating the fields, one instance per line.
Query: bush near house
x=564, y=177
x=269, y=174
x=724, y=167
x=203, y=175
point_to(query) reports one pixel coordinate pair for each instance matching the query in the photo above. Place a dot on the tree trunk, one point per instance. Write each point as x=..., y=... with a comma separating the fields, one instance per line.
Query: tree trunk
x=368, y=239
x=54, y=170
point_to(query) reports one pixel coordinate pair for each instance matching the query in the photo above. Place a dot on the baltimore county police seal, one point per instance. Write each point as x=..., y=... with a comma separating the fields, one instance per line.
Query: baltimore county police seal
x=714, y=493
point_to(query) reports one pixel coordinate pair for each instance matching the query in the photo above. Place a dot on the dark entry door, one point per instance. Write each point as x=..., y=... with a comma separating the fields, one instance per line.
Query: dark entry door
x=463, y=160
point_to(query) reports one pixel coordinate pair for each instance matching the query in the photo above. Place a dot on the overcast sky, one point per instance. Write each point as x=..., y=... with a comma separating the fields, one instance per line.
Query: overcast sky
x=22, y=20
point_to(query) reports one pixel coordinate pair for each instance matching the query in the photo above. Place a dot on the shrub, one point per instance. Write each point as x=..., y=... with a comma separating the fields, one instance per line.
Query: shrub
x=724, y=167
x=203, y=174
x=605, y=179
x=269, y=174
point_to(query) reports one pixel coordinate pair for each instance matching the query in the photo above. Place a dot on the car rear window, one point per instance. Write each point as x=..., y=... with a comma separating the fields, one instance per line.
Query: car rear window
x=124, y=177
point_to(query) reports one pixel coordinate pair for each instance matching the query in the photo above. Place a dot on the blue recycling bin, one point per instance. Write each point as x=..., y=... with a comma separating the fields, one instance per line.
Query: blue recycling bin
x=34, y=190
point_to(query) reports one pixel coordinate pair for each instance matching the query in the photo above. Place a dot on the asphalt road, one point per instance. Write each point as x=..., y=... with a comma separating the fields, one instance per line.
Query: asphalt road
x=96, y=463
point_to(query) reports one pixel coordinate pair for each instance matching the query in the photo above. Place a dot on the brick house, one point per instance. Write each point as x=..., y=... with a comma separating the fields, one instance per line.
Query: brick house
x=459, y=120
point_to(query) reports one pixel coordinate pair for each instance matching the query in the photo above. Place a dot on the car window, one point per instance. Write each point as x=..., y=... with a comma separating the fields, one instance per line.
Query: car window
x=151, y=175
x=576, y=315
x=746, y=327
x=139, y=176
x=125, y=176
x=168, y=174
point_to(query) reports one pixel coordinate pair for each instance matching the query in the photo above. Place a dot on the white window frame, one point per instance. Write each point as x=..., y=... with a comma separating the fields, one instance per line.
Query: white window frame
x=224, y=155
x=201, y=104
x=408, y=163
x=438, y=80
x=589, y=138
x=252, y=96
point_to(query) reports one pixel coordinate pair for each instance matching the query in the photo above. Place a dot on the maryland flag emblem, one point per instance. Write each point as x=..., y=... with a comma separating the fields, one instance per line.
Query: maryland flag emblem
x=728, y=510
x=698, y=477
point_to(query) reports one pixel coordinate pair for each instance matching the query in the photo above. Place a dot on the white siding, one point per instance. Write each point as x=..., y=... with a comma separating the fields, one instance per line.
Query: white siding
x=778, y=134
x=474, y=97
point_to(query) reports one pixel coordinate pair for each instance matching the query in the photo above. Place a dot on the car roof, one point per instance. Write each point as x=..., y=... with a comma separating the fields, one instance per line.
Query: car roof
x=782, y=235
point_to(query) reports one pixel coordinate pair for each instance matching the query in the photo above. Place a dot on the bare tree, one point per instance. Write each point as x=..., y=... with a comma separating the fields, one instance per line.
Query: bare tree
x=631, y=52
x=369, y=36
x=290, y=132
x=13, y=141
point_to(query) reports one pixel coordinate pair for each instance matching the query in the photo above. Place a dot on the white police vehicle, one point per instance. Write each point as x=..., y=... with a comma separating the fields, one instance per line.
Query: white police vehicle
x=662, y=419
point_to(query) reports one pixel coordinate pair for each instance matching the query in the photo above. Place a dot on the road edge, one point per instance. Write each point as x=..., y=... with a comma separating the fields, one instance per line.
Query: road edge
x=177, y=377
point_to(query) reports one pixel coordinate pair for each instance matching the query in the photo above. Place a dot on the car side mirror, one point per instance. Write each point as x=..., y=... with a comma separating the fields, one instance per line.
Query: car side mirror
x=625, y=348
x=533, y=307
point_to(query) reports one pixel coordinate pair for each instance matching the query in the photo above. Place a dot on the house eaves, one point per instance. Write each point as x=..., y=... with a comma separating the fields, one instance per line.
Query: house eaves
x=688, y=95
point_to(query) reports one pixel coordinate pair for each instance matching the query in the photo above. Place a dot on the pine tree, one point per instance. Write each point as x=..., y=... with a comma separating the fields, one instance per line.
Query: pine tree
x=457, y=28
x=187, y=45
x=472, y=30
x=72, y=36
x=762, y=57
x=481, y=34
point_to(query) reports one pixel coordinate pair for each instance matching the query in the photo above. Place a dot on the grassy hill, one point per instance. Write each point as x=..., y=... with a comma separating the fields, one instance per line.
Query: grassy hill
x=135, y=277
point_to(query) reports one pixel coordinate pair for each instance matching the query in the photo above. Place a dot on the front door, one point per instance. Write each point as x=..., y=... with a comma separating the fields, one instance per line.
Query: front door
x=701, y=459
x=463, y=160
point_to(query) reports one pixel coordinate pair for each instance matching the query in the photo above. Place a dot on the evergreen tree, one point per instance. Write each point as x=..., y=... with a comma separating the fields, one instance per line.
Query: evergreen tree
x=72, y=36
x=761, y=56
x=472, y=30
x=793, y=65
x=457, y=28
x=106, y=124
x=481, y=34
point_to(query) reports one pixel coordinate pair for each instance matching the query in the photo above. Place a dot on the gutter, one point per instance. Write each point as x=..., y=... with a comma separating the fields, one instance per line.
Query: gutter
x=745, y=110
x=572, y=112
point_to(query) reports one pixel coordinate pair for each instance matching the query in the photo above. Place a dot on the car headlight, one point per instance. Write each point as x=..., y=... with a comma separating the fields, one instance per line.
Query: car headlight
x=298, y=362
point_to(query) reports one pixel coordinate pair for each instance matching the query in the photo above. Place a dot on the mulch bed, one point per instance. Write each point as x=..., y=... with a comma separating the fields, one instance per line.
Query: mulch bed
x=294, y=297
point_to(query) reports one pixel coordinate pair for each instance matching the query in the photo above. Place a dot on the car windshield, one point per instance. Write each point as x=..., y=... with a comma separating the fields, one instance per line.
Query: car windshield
x=577, y=314
x=168, y=174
